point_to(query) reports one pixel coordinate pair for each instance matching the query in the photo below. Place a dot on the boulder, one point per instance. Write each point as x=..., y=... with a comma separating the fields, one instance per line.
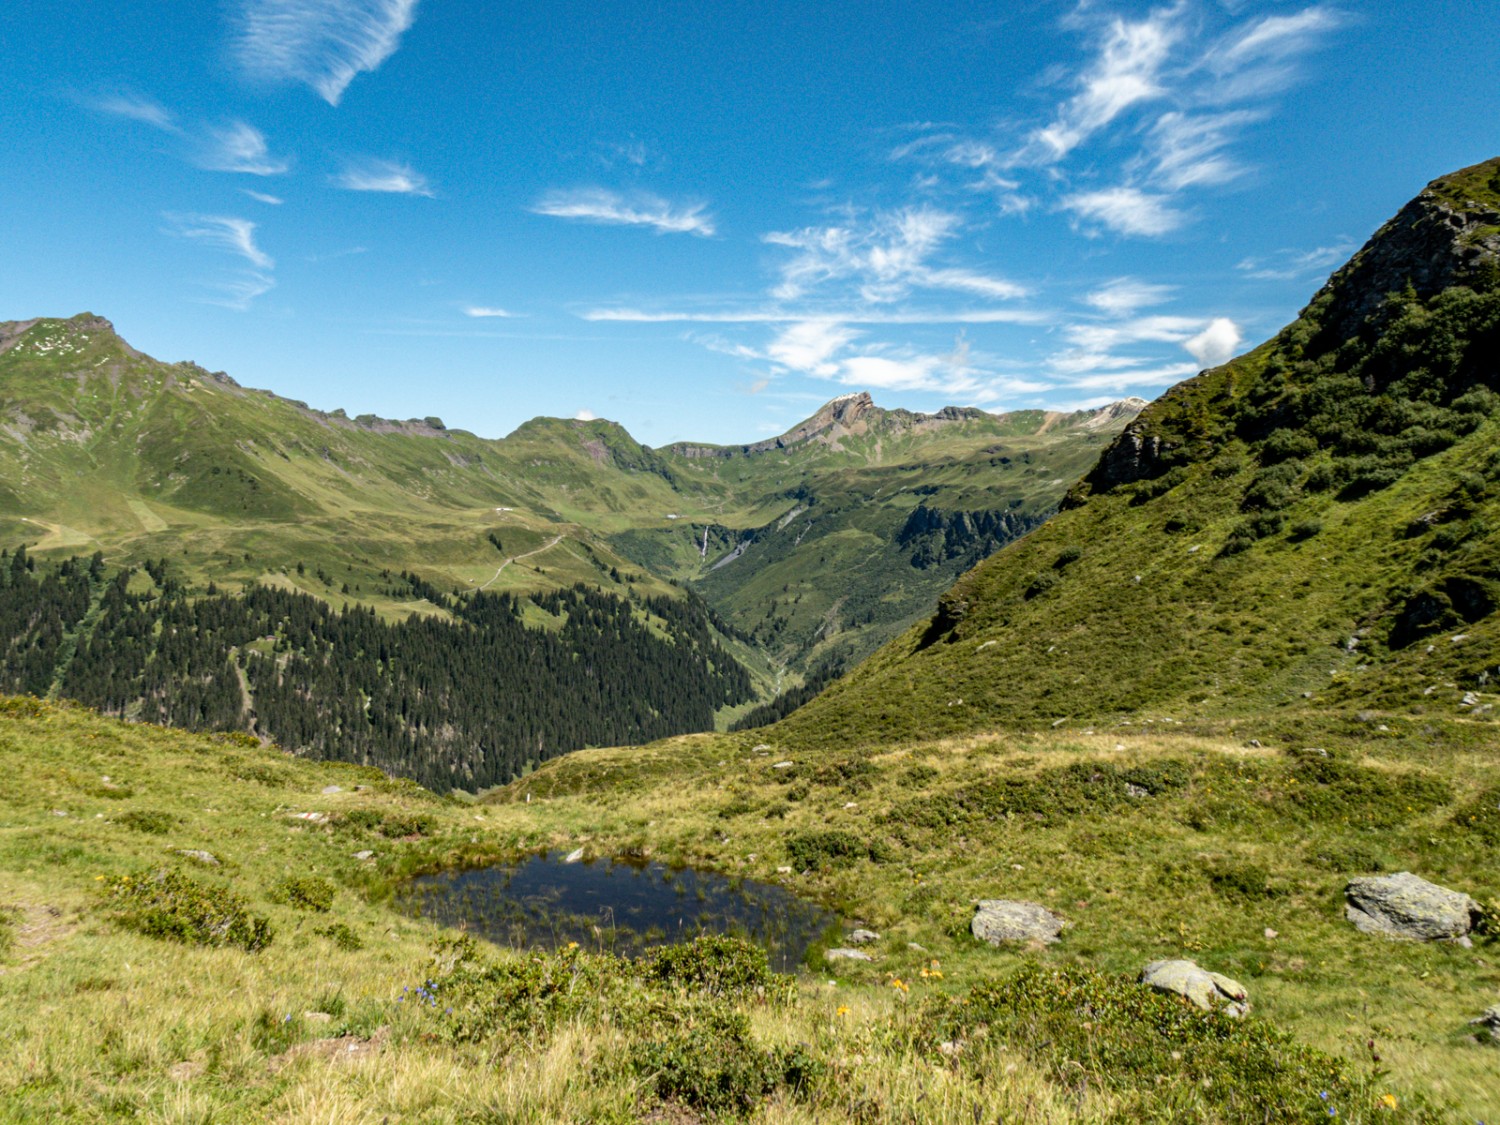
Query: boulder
x=863, y=937
x=846, y=955
x=1408, y=907
x=1490, y=1021
x=208, y=859
x=1204, y=989
x=999, y=920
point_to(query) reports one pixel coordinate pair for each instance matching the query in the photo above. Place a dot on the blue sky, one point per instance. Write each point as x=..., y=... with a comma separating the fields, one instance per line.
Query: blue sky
x=703, y=220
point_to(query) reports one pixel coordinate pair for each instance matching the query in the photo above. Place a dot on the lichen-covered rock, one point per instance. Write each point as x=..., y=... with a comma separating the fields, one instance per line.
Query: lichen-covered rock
x=1207, y=990
x=863, y=937
x=846, y=955
x=998, y=920
x=1406, y=906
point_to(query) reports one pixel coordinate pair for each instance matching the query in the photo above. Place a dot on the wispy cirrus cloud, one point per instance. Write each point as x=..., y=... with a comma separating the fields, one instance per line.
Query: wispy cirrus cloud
x=263, y=197
x=231, y=235
x=137, y=107
x=1157, y=105
x=222, y=232
x=640, y=209
x=885, y=256
x=1125, y=71
x=488, y=311
x=1125, y=295
x=1289, y=265
x=238, y=147
x=324, y=44
x=383, y=176
x=1125, y=210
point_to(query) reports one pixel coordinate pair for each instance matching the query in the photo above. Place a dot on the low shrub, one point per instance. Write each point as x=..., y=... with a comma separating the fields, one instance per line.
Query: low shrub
x=1153, y=1050
x=716, y=964
x=814, y=851
x=148, y=820
x=304, y=892
x=165, y=903
x=343, y=936
x=718, y=1068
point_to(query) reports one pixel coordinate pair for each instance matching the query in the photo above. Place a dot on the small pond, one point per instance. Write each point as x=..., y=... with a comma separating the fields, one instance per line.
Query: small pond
x=615, y=906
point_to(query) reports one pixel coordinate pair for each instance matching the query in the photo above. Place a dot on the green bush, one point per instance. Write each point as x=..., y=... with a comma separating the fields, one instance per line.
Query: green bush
x=304, y=892
x=1287, y=445
x=718, y=1068
x=148, y=821
x=344, y=937
x=716, y=964
x=165, y=903
x=391, y=823
x=1153, y=1050
x=815, y=851
x=1305, y=529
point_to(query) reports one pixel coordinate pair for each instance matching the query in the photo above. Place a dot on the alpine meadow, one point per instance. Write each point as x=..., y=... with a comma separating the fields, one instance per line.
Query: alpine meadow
x=973, y=682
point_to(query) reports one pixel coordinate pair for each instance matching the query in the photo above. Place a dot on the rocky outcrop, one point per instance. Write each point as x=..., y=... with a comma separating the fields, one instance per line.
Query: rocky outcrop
x=1135, y=455
x=1000, y=920
x=1436, y=240
x=1410, y=908
x=1490, y=1022
x=1206, y=990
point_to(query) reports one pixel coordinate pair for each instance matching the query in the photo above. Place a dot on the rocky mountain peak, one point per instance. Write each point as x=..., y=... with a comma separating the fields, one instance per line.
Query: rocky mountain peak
x=1450, y=231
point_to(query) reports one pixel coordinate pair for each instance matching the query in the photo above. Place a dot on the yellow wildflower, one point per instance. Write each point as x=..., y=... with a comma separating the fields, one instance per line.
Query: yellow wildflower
x=1387, y=1101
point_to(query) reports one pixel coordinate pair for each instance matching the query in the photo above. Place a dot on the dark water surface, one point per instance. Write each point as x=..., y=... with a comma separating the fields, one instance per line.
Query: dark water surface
x=615, y=906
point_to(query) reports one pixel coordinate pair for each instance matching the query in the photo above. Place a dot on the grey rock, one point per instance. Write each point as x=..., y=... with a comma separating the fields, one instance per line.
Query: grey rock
x=1408, y=907
x=200, y=856
x=1205, y=989
x=863, y=937
x=846, y=955
x=573, y=856
x=330, y=790
x=1490, y=1021
x=999, y=920
x=1136, y=791
x=366, y=854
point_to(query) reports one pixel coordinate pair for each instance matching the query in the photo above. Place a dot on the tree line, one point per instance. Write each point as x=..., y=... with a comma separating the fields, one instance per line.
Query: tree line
x=466, y=702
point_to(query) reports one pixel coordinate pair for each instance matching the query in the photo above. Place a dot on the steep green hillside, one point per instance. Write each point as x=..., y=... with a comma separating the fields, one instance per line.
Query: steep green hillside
x=1313, y=521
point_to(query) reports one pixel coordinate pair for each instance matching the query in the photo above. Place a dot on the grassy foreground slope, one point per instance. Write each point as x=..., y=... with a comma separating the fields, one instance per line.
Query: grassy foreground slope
x=354, y=1013
x=1314, y=520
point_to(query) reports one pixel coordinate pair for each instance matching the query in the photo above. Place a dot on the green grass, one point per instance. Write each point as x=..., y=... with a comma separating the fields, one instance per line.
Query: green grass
x=114, y=1019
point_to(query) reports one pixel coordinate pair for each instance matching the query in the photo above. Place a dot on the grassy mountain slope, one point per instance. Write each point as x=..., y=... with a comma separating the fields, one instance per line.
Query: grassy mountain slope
x=104, y=448
x=325, y=1022
x=1312, y=521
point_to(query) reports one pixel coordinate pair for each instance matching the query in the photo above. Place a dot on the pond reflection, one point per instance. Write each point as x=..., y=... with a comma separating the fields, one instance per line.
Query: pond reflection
x=615, y=906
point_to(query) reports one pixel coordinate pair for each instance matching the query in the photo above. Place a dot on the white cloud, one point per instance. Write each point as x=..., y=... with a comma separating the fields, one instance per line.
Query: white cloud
x=847, y=315
x=233, y=236
x=598, y=205
x=1125, y=72
x=222, y=232
x=262, y=197
x=1121, y=381
x=238, y=147
x=383, y=176
x=238, y=293
x=585, y=416
x=809, y=345
x=1126, y=210
x=1125, y=295
x=1187, y=150
x=1257, y=59
x=1216, y=344
x=884, y=257
x=1288, y=265
x=322, y=43
x=486, y=311
x=136, y=107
